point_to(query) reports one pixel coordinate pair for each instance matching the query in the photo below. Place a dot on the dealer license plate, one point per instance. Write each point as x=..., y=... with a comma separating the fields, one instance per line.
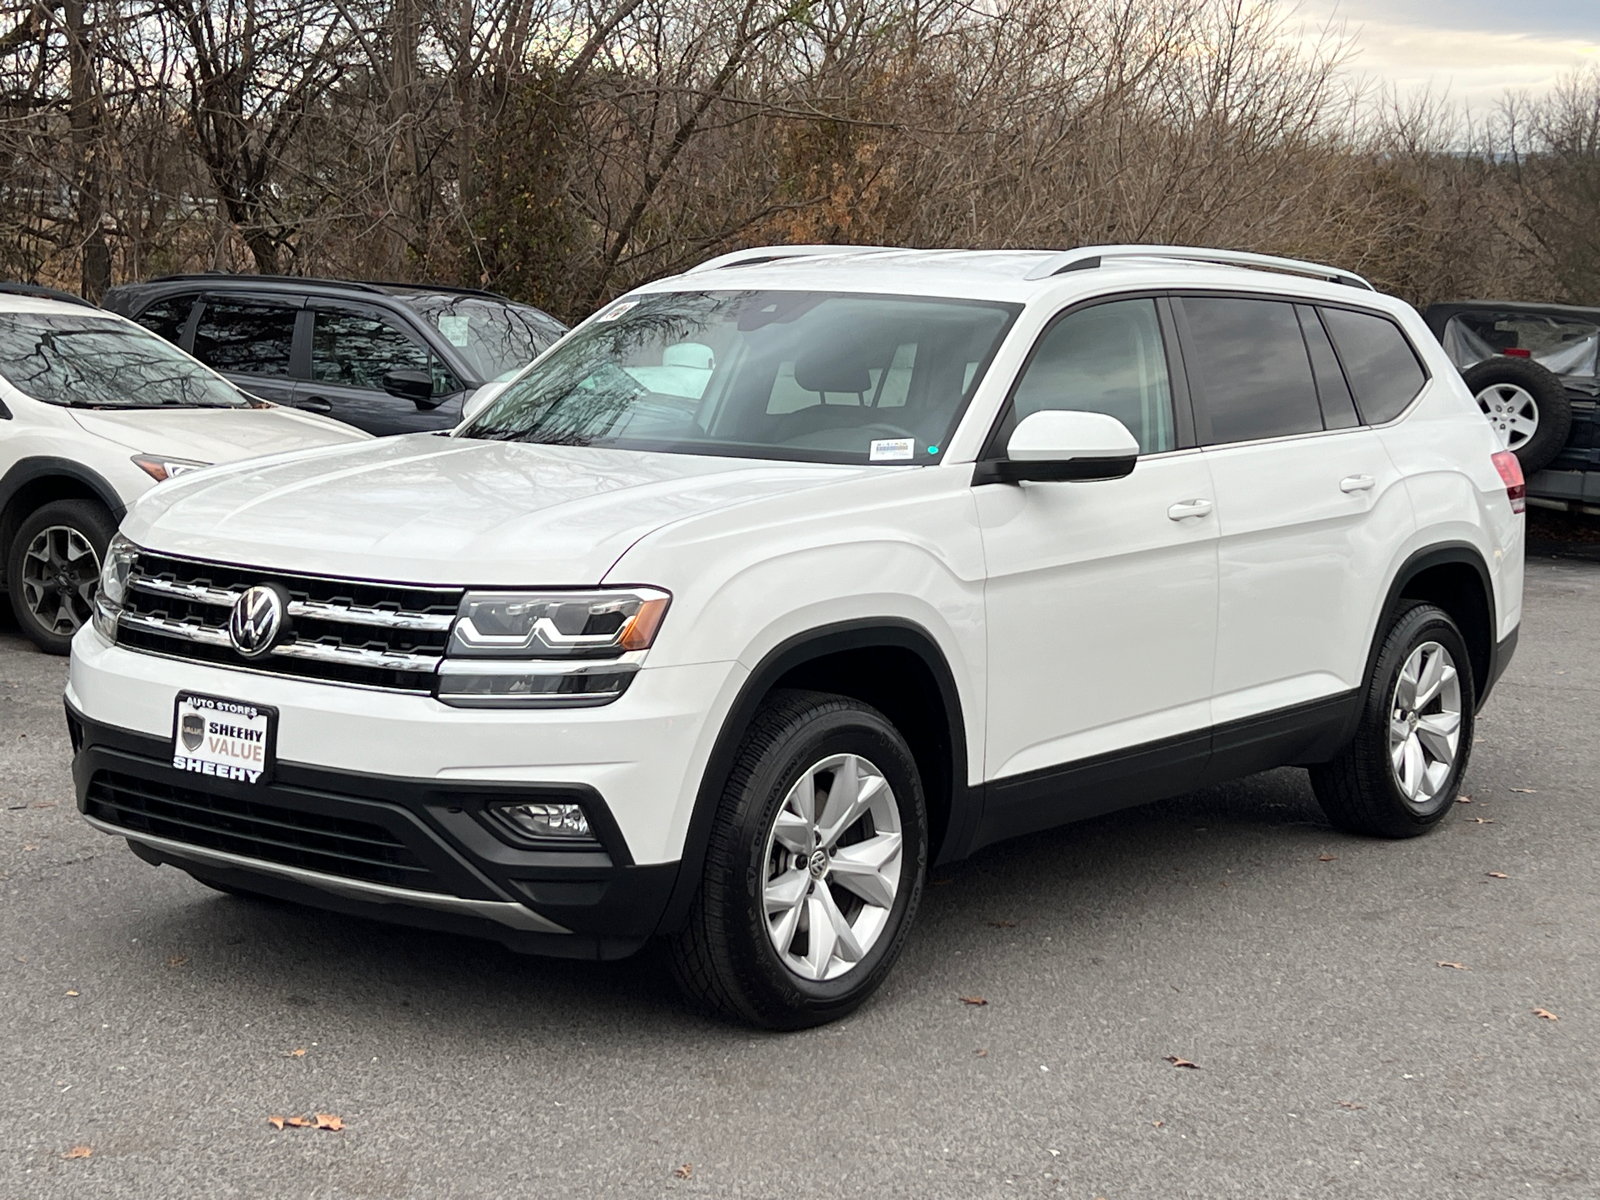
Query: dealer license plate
x=227, y=739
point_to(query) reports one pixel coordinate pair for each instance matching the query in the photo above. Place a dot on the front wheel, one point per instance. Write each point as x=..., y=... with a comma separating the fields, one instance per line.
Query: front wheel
x=54, y=569
x=1398, y=776
x=814, y=868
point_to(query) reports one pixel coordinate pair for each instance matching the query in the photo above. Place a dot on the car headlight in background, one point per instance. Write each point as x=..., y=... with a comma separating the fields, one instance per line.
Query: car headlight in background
x=113, y=589
x=159, y=468
x=548, y=649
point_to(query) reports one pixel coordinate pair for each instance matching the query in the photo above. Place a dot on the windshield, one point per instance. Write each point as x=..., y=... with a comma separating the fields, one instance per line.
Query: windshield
x=96, y=362
x=497, y=339
x=814, y=376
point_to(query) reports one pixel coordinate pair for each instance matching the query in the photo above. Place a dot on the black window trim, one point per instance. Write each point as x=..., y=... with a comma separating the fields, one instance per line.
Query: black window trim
x=1183, y=414
x=1422, y=362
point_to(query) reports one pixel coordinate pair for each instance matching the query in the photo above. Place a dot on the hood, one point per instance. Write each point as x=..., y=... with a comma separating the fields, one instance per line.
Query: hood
x=426, y=509
x=215, y=435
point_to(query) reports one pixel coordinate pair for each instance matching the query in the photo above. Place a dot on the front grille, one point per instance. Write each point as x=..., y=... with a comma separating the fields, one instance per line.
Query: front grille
x=258, y=829
x=379, y=635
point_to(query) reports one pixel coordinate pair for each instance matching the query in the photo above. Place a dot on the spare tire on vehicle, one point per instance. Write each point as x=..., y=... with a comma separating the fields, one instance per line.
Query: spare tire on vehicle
x=1526, y=405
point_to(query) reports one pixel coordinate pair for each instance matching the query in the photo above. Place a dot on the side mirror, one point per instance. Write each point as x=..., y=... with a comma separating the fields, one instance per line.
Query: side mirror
x=1061, y=445
x=408, y=383
x=481, y=399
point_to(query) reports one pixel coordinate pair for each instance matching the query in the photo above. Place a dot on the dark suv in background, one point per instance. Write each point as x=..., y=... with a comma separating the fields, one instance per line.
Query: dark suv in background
x=385, y=357
x=1535, y=369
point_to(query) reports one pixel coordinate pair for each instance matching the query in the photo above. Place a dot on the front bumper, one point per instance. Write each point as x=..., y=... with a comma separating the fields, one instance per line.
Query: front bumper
x=412, y=851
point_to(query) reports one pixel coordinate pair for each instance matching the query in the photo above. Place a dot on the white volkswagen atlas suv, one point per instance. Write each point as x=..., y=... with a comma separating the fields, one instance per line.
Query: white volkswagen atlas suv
x=94, y=412
x=776, y=583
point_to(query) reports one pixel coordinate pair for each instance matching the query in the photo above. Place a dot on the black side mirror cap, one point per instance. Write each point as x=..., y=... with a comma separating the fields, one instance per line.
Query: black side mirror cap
x=1080, y=470
x=408, y=383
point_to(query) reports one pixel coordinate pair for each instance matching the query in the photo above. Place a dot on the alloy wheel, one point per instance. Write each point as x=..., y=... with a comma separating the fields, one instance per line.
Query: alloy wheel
x=833, y=866
x=1425, y=723
x=60, y=571
x=1512, y=411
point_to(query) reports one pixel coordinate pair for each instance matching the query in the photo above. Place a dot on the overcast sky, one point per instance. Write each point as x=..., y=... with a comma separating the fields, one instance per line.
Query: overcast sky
x=1474, y=48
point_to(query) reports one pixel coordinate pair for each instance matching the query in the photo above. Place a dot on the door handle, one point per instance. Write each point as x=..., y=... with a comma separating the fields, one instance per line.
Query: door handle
x=314, y=404
x=1356, y=483
x=1189, y=508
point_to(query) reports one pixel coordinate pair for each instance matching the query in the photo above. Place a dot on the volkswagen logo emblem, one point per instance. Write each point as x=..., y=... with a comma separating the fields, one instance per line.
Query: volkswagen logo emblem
x=256, y=621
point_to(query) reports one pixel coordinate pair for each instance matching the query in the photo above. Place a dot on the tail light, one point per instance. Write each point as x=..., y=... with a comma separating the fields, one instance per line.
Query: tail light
x=1511, y=475
x=1516, y=352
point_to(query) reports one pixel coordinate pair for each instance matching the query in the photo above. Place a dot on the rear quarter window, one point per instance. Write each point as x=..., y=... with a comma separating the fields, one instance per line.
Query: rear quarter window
x=1384, y=371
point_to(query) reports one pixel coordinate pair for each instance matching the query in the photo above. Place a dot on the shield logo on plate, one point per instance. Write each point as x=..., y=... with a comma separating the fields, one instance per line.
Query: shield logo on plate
x=193, y=730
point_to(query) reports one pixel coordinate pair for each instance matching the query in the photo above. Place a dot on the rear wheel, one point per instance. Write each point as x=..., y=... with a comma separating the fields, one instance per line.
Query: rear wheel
x=54, y=568
x=814, y=869
x=1399, y=776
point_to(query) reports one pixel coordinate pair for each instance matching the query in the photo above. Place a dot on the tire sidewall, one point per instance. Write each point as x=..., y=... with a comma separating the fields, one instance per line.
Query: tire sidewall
x=845, y=729
x=88, y=518
x=1424, y=623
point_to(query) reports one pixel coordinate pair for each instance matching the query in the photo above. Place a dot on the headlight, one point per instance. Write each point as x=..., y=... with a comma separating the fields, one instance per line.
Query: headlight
x=113, y=588
x=159, y=468
x=548, y=649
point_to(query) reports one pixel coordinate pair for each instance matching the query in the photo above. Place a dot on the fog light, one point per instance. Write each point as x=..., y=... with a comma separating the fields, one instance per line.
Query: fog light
x=545, y=820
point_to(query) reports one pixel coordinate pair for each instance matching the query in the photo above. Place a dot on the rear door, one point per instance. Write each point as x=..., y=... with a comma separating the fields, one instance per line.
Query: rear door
x=251, y=340
x=1310, y=512
x=352, y=347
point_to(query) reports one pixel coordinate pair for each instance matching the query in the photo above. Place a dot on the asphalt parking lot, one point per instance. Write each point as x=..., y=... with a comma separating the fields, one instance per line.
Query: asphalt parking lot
x=159, y=1024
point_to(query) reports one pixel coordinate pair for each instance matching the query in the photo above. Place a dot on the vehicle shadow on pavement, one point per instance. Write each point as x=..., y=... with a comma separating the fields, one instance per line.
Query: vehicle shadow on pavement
x=331, y=969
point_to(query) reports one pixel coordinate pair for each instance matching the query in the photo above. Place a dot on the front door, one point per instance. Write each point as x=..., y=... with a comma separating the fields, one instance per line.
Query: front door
x=1101, y=599
x=351, y=349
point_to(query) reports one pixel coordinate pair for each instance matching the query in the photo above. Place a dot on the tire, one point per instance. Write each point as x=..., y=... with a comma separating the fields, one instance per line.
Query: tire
x=53, y=568
x=1363, y=790
x=1527, y=406
x=727, y=958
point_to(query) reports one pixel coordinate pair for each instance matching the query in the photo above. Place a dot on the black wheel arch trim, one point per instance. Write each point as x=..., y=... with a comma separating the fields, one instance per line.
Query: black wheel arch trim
x=862, y=634
x=1496, y=654
x=31, y=470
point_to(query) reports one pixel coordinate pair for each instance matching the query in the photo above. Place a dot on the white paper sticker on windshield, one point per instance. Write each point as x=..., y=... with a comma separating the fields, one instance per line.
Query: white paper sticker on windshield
x=893, y=450
x=616, y=310
x=454, y=328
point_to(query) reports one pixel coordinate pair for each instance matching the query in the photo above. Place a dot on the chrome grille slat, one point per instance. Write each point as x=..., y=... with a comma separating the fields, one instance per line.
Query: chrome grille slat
x=358, y=632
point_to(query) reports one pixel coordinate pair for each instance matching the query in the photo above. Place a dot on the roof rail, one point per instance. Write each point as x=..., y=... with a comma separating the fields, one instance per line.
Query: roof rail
x=41, y=292
x=250, y=277
x=1087, y=258
x=763, y=254
x=450, y=288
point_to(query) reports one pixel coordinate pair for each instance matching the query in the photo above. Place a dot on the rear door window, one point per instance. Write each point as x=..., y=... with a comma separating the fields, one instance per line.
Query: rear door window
x=1249, y=369
x=1379, y=362
x=245, y=337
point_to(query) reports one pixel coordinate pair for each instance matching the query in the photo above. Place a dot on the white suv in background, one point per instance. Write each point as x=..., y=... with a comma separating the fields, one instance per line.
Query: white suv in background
x=95, y=411
x=776, y=582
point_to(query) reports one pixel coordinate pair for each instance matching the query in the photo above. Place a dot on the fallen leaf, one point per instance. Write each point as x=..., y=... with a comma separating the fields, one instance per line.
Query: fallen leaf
x=1003, y=924
x=1497, y=875
x=1546, y=1014
x=297, y=1122
x=329, y=1121
x=1182, y=1062
x=981, y=1053
x=1054, y=1153
x=29, y=846
x=1463, y=799
x=1158, y=1124
x=1351, y=1104
x=79, y=1152
x=72, y=993
x=275, y=1122
x=1454, y=966
x=685, y=1172
x=300, y=1053
x=936, y=883
x=975, y=1001
x=1481, y=820
x=177, y=960
x=1525, y=791
x=1327, y=858
x=1224, y=883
